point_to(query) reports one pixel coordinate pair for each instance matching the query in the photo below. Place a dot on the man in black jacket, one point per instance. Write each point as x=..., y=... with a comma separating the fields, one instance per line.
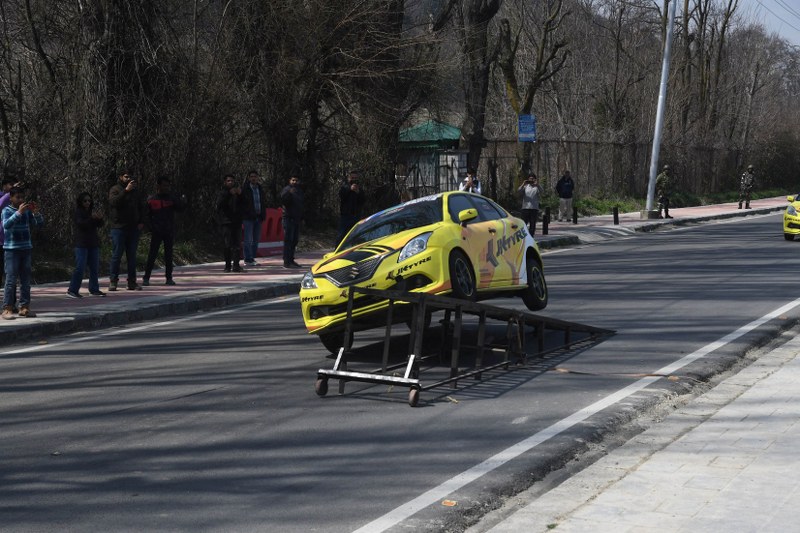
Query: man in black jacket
x=351, y=199
x=160, y=216
x=292, y=201
x=229, y=209
x=255, y=211
x=126, y=221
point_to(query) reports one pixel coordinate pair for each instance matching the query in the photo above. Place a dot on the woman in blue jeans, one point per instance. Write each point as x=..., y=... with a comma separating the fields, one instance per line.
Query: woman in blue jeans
x=87, y=246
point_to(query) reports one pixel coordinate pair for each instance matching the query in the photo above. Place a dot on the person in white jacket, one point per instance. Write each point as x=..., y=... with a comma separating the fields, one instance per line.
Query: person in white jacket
x=470, y=183
x=531, y=192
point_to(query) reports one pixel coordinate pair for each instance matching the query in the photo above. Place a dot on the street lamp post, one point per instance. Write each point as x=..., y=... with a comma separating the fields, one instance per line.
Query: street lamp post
x=649, y=212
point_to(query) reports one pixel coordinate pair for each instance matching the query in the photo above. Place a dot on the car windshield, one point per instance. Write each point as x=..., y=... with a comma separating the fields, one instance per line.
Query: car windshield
x=410, y=215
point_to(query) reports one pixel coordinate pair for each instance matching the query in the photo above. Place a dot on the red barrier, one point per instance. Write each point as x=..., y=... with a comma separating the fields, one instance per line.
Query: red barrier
x=271, y=240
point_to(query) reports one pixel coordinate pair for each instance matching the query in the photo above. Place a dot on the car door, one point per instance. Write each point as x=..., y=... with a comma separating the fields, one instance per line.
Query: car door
x=477, y=235
x=503, y=252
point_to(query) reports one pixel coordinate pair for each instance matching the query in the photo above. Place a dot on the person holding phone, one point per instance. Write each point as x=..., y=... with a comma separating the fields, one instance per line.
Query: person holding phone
x=531, y=193
x=126, y=219
x=18, y=217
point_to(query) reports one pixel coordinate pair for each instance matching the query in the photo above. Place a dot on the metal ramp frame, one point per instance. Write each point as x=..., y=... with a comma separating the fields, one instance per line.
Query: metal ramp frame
x=514, y=349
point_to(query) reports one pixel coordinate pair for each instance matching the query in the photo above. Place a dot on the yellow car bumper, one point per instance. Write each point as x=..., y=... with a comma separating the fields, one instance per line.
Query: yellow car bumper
x=325, y=307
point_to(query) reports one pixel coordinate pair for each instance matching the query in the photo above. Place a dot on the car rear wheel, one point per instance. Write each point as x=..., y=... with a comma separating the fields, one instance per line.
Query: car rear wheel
x=788, y=236
x=461, y=277
x=535, y=295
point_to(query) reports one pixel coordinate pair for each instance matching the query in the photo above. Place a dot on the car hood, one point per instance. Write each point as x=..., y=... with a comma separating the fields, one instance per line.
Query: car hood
x=351, y=256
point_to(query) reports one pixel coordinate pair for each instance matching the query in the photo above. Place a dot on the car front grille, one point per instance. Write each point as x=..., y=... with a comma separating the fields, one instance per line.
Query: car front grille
x=355, y=273
x=793, y=225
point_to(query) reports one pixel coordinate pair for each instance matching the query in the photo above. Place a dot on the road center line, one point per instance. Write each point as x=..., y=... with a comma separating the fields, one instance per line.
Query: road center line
x=457, y=482
x=149, y=325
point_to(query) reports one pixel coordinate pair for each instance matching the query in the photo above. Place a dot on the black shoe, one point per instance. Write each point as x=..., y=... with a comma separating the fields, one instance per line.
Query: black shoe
x=134, y=287
x=145, y=282
x=71, y=294
x=287, y=265
x=169, y=282
x=97, y=293
x=112, y=286
x=238, y=268
x=295, y=265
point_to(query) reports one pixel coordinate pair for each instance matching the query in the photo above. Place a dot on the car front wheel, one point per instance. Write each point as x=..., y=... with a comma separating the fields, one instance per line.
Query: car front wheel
x=788, y=236
x=333, y=341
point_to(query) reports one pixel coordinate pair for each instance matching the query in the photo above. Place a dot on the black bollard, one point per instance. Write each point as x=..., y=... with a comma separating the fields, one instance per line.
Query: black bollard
x=574, y=215
x=546, y=222
x=615, y=211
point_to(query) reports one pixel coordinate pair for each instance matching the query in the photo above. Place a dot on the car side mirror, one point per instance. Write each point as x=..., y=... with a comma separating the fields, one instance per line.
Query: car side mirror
x=466, y=215
x=790, y=198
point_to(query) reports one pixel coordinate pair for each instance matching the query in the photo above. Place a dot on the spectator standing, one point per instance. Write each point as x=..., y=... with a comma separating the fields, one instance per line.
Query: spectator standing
x=87, y=246
x=229, y=210
x=254, y=214
x=5, y=199
x=351, y=200
x=125, y=218
x=746, y=184
x=160, y=212
x=18, y=217
x=470, y=183
x=531, y=193
x=292, y=201
x=663, y=190
x=565, y=189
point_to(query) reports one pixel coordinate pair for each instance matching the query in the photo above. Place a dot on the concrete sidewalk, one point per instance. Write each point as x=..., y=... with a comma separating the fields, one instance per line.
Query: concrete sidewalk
x=203, y=287
x=726, y=462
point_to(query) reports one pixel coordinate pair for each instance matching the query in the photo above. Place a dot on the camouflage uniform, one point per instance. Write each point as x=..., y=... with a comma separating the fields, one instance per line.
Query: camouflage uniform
x=746, y=183
x=663, y=186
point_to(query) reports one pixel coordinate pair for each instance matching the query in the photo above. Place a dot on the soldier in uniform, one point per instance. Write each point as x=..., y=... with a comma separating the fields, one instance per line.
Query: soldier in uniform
x=663, y=186
x=746, y=184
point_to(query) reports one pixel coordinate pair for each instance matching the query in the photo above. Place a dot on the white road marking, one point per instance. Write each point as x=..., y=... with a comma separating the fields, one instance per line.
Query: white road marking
x=457, y=482
x=123, y=331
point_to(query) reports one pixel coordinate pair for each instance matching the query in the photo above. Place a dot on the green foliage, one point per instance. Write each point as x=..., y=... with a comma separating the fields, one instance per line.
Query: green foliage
x=591, y=206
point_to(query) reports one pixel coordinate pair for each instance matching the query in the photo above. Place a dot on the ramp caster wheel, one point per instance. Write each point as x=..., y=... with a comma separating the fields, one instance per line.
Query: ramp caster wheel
x=321, y=386
x=413, y=397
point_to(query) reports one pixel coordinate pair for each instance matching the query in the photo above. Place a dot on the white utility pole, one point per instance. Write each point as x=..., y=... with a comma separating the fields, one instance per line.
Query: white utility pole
x=662, y=101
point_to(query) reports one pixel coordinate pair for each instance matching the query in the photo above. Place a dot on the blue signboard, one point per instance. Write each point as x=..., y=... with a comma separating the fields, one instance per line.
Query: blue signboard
x=527, y=128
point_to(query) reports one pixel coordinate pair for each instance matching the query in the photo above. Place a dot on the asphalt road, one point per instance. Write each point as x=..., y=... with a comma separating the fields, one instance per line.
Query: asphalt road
x=210, y=422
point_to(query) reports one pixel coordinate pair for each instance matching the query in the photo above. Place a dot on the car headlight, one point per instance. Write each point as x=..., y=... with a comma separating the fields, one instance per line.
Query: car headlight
x=308, y=281
x=414, y=246
x=791, y=211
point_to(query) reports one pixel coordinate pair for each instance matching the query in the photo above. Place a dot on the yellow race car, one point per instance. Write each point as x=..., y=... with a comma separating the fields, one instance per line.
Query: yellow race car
x=455, y=243
x=791, y=218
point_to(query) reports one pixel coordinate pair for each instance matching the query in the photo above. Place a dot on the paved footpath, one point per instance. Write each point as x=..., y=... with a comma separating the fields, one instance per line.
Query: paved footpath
x=727, y=462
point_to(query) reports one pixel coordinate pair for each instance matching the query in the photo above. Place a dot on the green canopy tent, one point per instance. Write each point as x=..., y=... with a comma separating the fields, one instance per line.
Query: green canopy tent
x=429, y=158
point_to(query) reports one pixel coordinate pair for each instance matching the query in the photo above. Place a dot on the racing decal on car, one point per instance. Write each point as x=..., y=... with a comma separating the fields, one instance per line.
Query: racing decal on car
x=406, y=268
x=504, y=244
x=312, y=298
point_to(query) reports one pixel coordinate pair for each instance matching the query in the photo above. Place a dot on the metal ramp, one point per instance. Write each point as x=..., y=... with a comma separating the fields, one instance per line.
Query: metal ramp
x=514, y=350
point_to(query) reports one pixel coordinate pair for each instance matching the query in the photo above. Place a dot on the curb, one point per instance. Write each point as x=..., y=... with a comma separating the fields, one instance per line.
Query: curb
x=138, y=312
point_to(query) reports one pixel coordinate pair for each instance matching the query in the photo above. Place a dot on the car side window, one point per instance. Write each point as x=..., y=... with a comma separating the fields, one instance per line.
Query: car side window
x=457, y=203
x=486, y=210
